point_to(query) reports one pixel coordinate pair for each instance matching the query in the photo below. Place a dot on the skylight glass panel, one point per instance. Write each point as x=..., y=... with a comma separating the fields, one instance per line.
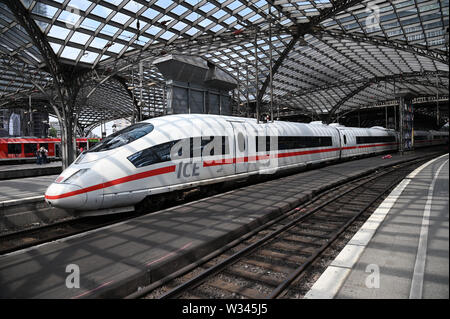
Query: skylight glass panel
x=193, y=2
x=114, y=2
x=167, y=35
x=116, y=47
x=216, y=28
x=150, y=13
x=219, y=14
x=58, y=32
x=109, y=30
x=126, y=35
x=55, y=46
x=44, y=10
x=205, y=22
x=90, y=24
x=192, y=31
x=101, y=11
x=134, y=25
x=71, y=19
x=79, y=38
x=70, y=53
x=254, y=18
x=120, y=18
x=207, y=7
x=234, y=5
x=260, y=3
x=98, y=43
x=142, y=40
x=244, y=12
x=164, y=3
x=89, y=57
x=153, y=30
x=179, y=10
x=133, y=6
x=80, y=4
x=104, y=57
x=179, y=26
x=230, y=20
x=193, y=16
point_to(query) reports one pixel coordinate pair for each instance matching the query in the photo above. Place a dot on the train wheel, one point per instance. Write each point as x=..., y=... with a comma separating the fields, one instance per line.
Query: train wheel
x=211, y=190
x=151, y=203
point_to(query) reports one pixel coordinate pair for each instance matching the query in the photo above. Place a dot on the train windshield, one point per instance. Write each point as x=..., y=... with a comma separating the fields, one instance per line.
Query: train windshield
x=122, y=137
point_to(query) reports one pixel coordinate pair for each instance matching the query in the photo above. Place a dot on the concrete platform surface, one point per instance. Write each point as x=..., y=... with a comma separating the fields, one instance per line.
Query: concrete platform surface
x=17, y=189
x=15, y=167
x=9, y=171
x=402, y=251
x=113, y=261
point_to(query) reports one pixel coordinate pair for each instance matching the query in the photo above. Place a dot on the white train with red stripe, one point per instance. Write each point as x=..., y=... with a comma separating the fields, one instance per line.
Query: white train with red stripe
x=173, y=153
x=430, y=138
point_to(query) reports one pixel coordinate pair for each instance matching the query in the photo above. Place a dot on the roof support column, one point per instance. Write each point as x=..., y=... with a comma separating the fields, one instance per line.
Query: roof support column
x=68, y=81
x=437, y=102
x=302, y=30
x=257, y=78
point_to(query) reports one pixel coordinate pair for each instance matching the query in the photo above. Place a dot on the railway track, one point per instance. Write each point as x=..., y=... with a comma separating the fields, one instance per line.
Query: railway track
x=11, y=242
x=25, y=238
x=272, y=262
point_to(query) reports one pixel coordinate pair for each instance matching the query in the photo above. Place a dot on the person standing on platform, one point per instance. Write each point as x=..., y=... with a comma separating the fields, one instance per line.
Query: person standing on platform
x=38, y=157
x=44, y=153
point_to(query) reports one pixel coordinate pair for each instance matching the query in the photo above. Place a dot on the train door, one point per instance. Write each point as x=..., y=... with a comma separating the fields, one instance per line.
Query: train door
x=343, y=141
x=240, y=147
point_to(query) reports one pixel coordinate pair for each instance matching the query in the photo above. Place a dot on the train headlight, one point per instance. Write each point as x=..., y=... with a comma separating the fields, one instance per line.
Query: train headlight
x=72, y=178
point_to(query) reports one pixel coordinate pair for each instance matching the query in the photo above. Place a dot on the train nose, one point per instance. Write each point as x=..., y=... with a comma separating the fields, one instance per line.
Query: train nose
x=65, y=196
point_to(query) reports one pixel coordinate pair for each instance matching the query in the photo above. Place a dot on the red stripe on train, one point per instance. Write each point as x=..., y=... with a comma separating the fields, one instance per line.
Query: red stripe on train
x=171, y=169
x=281, y=155
x=154, y=172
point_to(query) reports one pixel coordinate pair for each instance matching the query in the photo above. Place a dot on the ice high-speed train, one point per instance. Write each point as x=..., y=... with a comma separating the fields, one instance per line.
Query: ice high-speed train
x=173, y=153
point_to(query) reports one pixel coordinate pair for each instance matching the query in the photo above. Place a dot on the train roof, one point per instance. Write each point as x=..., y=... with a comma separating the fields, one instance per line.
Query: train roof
x=251, y=120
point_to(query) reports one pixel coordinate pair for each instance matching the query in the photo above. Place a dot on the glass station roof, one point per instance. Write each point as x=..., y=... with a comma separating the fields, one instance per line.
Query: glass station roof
x=328, y=57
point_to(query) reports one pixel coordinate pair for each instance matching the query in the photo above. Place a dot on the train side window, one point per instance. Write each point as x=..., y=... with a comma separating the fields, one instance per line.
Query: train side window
x=374, y=139
x=30, y=148
x=219, y=145
x=294, y=142
x=161, y=152
x=241, y=145
x=261, y=140
x=14, y=148
x=152, y=155
x=345, y=139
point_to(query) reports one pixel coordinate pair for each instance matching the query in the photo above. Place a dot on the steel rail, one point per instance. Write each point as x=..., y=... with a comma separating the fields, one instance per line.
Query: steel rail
x=294, y=275
x=199, y=279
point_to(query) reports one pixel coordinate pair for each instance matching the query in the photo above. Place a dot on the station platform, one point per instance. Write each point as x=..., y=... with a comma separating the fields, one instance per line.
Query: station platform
x=19, y=189
x=114, y=260
x=402, y=250
x=15, y=171
x=22, y=204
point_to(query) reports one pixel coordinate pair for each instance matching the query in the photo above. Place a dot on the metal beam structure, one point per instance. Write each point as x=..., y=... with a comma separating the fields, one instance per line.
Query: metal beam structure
x=301, y=30
x=326, y=57
x=380, y=41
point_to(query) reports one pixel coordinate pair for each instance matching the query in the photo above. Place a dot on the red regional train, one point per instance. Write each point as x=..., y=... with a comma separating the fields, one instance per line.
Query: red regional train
x=23, y=149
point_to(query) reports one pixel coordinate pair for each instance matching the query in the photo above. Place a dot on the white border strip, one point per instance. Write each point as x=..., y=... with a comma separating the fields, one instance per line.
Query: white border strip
x=333, y=278
x=419, y=267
